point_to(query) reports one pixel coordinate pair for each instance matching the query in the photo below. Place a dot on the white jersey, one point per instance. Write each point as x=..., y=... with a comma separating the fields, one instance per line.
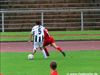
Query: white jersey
x=38, y=33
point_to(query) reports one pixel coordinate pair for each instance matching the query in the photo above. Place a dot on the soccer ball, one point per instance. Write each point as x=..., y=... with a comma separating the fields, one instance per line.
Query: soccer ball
x=30, y=56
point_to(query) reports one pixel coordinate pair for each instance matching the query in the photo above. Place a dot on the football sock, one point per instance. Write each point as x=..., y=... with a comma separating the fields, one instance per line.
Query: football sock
x=46, y=51
x=63, y=53
x=59, y=49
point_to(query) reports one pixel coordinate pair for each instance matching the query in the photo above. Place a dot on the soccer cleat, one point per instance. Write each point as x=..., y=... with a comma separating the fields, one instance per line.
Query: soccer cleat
x=63, y=54
x=47, y=53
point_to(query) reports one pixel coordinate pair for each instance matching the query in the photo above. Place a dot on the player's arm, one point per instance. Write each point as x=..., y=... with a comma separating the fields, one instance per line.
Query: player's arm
x=31, y=36
x=46, y=32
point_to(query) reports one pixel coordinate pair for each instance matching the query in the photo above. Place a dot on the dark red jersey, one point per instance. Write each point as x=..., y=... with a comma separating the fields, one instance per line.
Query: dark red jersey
x=47, y=38
x=46, y=34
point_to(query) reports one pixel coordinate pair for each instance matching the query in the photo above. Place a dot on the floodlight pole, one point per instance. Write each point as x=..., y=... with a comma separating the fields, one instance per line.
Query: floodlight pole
x=2, y=21
x=42, y=18
x=82, y=24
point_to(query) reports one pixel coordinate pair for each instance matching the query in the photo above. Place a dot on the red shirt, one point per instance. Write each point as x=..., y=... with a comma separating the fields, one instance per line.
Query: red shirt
x=47, y=38
x=46, y=34
x=54, y=73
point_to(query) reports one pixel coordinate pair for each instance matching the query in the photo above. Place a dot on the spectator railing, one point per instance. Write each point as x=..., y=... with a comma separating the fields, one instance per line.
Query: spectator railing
x=81, y=11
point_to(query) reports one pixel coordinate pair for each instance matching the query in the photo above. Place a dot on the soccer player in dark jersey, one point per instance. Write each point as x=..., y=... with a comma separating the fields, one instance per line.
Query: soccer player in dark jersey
x=49, y=40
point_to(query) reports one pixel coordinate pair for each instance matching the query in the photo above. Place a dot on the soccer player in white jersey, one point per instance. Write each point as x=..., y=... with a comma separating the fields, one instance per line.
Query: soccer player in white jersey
x=38, y=33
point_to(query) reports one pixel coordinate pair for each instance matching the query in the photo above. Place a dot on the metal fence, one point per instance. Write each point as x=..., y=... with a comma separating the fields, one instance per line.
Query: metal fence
x=81, y=11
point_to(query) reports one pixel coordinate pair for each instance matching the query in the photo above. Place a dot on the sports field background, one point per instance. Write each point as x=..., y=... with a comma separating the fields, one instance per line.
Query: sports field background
x=81, y=61
x=58, y=35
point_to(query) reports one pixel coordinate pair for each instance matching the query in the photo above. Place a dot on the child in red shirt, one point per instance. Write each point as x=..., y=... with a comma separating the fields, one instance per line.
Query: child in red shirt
x=53, y=66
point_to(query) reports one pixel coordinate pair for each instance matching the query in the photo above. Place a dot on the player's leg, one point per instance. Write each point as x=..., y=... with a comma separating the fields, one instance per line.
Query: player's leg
x=35, y=46
x=43, y=51
x=41, y=48
x=58, y=48
x=34, y=51
x=46, y=51
x=46, y=43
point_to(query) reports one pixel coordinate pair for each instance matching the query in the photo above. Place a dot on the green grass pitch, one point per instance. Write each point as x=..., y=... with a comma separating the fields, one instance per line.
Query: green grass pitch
x=16, y=63
x=58, y=35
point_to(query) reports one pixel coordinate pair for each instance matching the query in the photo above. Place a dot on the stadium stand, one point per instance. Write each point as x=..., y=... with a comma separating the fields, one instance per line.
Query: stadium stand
x=52, y=20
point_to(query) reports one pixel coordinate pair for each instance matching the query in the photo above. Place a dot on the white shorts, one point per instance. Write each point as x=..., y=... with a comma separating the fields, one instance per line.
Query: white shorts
x=37, y=45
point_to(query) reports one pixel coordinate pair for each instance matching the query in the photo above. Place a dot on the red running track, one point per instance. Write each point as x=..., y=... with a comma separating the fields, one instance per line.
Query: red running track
x=66, y=45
